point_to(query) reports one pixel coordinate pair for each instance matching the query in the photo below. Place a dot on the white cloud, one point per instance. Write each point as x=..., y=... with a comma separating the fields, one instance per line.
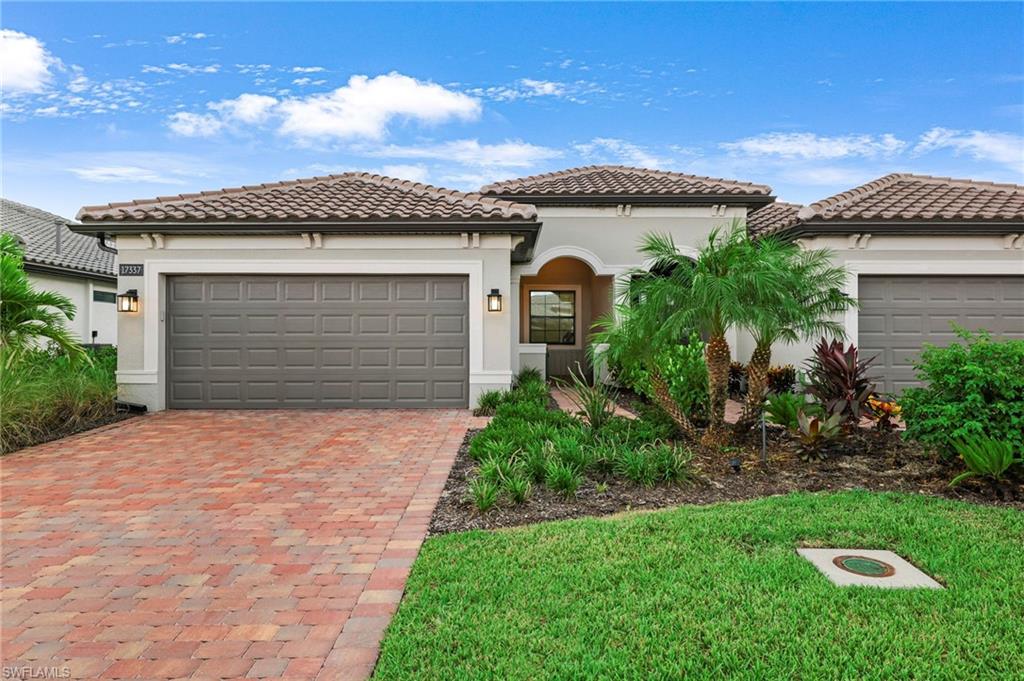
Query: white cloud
x=182, y=38
x=541, y=88
x=189, y=124
x=107, y=174
x=191, y=68
x=304, y=81
x=1000, y=147
x=508, y=154
x=246, y=108
x=365, y=107
x=528, y=88
x=806, y=145
x=606, y=149
x=308, y=69
x=24, y=63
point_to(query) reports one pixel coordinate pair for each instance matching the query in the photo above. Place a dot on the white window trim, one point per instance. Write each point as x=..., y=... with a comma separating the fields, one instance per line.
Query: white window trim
x=575, y=288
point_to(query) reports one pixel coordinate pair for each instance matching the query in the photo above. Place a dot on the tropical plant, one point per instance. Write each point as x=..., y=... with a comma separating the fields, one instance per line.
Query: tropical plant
x=46, y=394
x=815, y=432
x=562, y=477
x=594, y=402
x=805, y=303
x=484, y=493
x=710, y=295
x=784, y=409
x=782, y=379
x=488, y=402
x=518, y=488
x=972, y=388
x=837, y=378
x=883, y=412
x=985, y=457
x=30, y=319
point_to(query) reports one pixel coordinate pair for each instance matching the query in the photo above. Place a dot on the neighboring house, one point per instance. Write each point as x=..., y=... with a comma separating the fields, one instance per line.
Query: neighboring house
x=358, y=290
x=924, y=252
x=59, y=260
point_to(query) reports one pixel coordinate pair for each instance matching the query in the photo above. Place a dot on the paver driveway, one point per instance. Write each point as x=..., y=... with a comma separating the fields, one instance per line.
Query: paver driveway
x=218, y=544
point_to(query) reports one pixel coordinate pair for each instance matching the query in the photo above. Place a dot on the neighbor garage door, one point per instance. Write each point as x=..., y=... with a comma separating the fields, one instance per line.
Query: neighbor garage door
x=324, y=341
x=899, y=314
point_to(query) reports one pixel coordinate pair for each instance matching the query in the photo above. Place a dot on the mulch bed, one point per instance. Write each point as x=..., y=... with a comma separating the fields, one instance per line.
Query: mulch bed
x=69, y=429
x=866, y=460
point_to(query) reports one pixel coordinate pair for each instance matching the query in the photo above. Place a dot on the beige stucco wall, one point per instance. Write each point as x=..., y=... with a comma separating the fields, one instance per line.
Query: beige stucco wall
x=90, y=315
x=486, y=261
x=607, y=239
x=894, y=255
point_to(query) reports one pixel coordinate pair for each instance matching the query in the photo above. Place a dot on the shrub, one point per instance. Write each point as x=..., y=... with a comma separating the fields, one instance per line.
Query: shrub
x=837, y=379
x=684, y=369
x=784, y=408
x=985, y=457
x=562, y=477
x=484, y=493
x=782, y=379
x=653, y=425
x=974, y=388
x=671, y=464
x=635, y=465
x=488, y=402
x=528, y=375
x=518, y=488
x=47, y=393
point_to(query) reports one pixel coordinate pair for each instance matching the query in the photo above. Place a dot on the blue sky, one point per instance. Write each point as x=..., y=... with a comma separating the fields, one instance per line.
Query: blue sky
x=107, y=102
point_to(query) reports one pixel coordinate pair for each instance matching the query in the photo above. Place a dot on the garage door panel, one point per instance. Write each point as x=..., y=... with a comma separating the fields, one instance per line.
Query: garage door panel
x=900, y=314
x=380, y=341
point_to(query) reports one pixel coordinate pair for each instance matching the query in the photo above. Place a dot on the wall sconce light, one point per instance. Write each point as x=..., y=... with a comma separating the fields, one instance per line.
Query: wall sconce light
x=128, y=301
x=494, y=301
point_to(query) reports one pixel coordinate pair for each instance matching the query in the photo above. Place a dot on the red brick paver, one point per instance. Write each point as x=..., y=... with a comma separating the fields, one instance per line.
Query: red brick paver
x=269, y=544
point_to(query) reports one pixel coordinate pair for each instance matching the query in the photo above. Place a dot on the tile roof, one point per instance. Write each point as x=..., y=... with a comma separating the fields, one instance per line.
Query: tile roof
x=774, y=217
x=902, y=196
x=356, y=197
x=612, y=180
x=37, y=230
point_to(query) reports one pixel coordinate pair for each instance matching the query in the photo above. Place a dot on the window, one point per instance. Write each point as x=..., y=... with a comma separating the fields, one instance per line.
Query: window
x=553, y=317
x=104, y=297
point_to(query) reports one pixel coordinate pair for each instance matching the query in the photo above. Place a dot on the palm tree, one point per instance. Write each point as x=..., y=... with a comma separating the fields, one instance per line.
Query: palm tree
x=713, y=294
x=803, y=307
x=28, y=317
x=635, y=334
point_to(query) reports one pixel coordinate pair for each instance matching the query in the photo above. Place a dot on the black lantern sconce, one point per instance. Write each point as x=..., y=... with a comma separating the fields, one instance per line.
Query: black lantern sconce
x=128, y=301
x=494, y=301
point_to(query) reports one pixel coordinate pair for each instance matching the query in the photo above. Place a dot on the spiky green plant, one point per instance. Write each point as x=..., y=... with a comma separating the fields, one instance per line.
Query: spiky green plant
x=985, y=457
x=30, y=319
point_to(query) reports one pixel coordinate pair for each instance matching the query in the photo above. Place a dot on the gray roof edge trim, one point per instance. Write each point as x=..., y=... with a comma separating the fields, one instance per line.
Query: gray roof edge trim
x=65, y=271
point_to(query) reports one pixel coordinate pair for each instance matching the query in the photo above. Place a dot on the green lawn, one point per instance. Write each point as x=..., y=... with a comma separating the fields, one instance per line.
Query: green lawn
x=718, y=592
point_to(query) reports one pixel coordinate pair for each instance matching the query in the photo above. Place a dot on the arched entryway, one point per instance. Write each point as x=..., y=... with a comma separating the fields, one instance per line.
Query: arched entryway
x=558, y=308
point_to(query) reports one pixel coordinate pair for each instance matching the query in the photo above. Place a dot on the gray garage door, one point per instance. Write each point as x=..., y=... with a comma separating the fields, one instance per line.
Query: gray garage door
x=325, y=341
x=899, y=314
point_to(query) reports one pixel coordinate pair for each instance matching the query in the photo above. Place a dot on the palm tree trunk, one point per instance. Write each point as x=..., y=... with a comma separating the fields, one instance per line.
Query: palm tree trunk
x=717, y=356
x=757, y=384
x=664, y=399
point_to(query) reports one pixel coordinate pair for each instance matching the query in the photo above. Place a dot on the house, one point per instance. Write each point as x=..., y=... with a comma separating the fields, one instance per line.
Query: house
x=358, y=290
x=75, y=265
x=924, y=252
